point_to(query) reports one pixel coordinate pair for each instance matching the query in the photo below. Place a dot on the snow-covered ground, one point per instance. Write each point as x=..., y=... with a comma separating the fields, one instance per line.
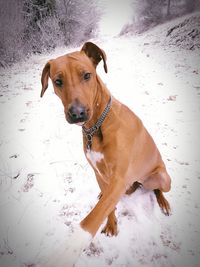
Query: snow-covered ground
x=47, y=186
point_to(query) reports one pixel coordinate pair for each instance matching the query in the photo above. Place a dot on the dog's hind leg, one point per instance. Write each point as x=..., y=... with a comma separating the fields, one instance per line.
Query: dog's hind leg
x=110, y=228
x=159, y=182
x=133, y=188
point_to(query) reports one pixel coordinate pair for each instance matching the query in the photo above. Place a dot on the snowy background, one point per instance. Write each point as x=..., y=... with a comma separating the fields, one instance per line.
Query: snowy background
x=46, y=184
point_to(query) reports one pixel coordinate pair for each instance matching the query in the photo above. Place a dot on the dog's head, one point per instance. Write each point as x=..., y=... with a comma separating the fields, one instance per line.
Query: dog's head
x=74, y=80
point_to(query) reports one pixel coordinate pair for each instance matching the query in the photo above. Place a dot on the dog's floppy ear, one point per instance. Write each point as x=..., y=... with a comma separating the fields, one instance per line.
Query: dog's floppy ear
x=45, y=78
x=95, y=54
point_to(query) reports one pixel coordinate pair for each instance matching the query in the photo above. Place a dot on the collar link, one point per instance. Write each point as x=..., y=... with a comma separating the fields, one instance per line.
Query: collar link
x=89, y=133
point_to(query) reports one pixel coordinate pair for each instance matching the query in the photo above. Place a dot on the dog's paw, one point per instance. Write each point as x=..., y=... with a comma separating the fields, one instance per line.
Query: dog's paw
x=165, y=208
x=110, y=229
x=163, y=203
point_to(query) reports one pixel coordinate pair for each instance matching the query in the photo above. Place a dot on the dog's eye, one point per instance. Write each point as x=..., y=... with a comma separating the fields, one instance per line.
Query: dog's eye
x=87, y=76
x=58, y=82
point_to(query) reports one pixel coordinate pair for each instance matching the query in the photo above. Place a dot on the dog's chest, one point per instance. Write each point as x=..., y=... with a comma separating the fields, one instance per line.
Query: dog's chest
x=94, y=157
x=98, y=162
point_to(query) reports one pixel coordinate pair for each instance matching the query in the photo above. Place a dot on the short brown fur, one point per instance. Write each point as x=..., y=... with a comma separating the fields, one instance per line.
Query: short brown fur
x=130, y=156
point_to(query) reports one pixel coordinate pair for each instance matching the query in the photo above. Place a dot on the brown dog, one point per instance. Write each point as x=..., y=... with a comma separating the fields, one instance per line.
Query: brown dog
x=116, y=144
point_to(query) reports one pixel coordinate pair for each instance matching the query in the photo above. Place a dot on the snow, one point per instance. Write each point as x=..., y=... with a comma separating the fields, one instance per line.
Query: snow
x=47, y=187
x=114, y=16
x=66, y=254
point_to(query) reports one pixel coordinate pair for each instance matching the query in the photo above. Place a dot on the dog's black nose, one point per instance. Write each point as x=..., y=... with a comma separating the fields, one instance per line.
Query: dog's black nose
x=77, y=113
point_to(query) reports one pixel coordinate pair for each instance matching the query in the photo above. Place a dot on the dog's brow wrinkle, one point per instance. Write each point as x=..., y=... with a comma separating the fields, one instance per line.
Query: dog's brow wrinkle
x=58, y=75
x=73, y=57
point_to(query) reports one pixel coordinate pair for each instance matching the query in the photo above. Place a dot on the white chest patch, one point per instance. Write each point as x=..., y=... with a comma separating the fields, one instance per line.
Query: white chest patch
x=94, y=157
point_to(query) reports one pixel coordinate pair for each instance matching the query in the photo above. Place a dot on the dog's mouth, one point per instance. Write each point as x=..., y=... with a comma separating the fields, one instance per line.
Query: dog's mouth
x=76, y=120
x=80, y=123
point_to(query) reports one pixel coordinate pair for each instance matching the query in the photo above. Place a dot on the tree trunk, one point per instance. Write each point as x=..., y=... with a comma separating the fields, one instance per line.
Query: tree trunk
x=168, y=7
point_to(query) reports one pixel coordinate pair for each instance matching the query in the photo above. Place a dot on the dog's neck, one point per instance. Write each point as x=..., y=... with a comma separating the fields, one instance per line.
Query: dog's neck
x=101, y=100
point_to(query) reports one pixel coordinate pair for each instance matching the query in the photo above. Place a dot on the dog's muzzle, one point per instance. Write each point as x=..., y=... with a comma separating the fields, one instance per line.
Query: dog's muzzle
x=76, y=114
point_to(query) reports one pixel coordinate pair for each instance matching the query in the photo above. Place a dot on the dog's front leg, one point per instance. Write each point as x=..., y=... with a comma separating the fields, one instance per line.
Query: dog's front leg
x=68, y=253
x=110, y=228
x=105, y=206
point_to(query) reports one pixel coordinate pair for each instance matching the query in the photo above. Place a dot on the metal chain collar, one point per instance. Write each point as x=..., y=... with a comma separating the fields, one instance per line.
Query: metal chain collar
x=89, y=133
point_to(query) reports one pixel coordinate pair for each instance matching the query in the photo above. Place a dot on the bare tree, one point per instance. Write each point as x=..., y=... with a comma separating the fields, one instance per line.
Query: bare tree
x=34, y=26
x=147, y=13
x=191, y=5
x=168, y=7
x=11, y=31
x=78, y=19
